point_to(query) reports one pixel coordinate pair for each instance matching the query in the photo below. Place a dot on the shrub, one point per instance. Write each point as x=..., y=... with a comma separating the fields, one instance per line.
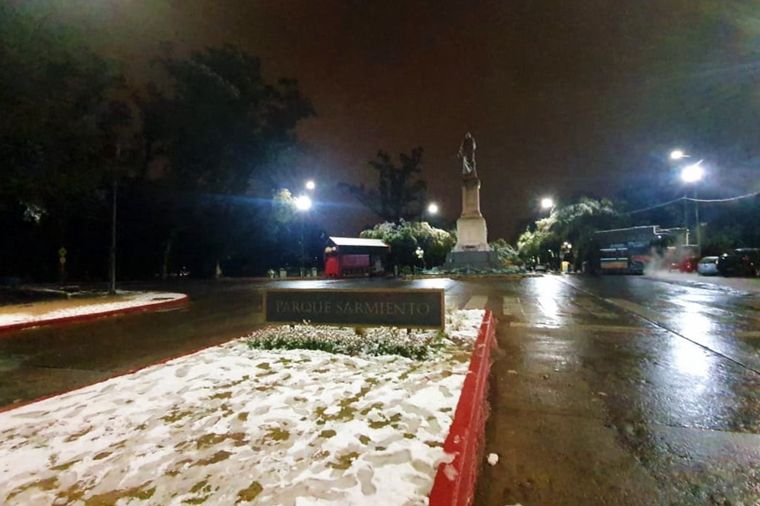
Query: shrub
x=371, y=341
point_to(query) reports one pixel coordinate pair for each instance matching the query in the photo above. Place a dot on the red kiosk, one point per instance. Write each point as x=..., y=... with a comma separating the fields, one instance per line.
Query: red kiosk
x=354, y=256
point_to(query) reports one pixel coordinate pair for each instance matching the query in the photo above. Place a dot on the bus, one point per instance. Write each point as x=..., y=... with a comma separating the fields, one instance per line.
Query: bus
x=631, y=250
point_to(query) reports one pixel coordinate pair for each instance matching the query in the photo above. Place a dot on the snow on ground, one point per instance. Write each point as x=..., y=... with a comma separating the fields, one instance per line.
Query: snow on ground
x=230, y=424
x=45, y=311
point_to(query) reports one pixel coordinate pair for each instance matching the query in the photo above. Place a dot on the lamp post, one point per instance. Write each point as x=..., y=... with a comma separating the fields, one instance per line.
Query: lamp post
x=565, y=251
x=302, y=204
x=693, y=174
x=420, y=253
x=690, y=174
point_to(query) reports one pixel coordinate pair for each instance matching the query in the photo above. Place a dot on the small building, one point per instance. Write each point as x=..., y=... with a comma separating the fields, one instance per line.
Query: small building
x=354, y=256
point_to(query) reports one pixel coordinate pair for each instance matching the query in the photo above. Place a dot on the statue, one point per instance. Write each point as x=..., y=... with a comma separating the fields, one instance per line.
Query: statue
x=467, y=154
x=471, y=250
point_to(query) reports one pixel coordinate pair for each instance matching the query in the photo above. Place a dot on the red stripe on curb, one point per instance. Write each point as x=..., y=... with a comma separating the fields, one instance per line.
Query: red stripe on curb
x=454, y=483
x=94, y=316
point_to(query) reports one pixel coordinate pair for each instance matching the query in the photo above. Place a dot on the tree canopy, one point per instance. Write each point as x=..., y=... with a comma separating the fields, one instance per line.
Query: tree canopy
x=400, y=192
x=406, y=236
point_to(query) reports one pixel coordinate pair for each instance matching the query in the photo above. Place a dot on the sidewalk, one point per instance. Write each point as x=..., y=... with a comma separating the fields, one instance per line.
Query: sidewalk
x=20, y=316
x=750, y=285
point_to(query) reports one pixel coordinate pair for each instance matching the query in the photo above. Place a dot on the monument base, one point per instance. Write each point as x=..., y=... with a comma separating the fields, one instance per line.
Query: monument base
x=472, y=259
x=472, y=233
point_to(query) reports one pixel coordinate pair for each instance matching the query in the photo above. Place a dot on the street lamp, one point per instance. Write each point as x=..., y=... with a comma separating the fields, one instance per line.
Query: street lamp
x=310, y=185
x=547, y=203
x=420, y=253
x=690, y=174
x=302, y=204
x=693, y=173
x=432, y=208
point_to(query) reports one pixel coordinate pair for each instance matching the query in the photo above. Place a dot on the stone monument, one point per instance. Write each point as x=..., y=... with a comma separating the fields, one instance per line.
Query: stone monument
x=472, y=248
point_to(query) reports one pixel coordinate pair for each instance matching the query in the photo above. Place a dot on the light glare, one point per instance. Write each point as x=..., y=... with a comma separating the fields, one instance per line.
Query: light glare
x=677, y=154
x=692, y=173
x=547, y=203
x=303, y=203
x=433, y=208
x=310, y=185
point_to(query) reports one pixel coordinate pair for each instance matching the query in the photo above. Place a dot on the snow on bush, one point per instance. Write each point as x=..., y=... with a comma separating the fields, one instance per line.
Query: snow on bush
x=414, y=344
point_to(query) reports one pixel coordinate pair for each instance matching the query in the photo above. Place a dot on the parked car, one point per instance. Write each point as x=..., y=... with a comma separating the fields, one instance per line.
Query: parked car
x=708, y=266
x=740, y=262
x=688, y=264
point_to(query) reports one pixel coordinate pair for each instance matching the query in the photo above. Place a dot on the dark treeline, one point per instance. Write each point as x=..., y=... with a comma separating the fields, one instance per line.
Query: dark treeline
x=193, y=160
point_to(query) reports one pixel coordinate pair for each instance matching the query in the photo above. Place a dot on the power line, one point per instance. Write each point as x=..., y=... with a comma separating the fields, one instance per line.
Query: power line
x=655, y=206
x=729, y=199
x=690, y=199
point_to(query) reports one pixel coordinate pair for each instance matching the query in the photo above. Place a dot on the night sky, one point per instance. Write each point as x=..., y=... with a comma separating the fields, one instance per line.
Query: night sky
x=563, y=97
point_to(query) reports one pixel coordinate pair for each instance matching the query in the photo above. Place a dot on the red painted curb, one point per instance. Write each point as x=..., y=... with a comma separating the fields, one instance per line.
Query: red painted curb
x=94, y=316
x=454, y=483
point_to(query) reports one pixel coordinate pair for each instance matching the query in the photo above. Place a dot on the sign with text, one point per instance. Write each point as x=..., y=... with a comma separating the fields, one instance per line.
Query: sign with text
x=405, y=308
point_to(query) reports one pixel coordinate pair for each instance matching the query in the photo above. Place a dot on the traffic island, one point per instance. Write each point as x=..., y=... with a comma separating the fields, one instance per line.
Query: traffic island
x=263, y=419
x=22, y=316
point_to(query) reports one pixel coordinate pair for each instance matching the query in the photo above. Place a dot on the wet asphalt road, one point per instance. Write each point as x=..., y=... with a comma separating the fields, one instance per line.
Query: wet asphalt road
x=618, y=390
x=623, y=390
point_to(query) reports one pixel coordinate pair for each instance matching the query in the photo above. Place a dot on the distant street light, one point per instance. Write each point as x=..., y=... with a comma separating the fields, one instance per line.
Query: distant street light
x=302, y=203
x=547, y=203
x=432, y=208
x=420, y=253
x=310, y=185
x=693, y=173
x=690, y=174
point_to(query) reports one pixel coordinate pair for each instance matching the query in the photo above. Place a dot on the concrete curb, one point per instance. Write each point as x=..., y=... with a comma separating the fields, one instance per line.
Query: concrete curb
x=454, y=483
x=94, y=316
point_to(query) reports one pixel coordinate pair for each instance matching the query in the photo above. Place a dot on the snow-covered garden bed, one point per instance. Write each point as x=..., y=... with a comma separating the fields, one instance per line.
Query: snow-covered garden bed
x=239, y=424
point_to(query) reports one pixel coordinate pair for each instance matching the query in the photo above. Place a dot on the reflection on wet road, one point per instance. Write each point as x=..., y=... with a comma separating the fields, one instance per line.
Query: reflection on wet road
x=623, y=390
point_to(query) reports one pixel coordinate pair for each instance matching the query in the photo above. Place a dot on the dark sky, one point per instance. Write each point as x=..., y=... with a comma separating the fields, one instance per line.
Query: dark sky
x=563, y=96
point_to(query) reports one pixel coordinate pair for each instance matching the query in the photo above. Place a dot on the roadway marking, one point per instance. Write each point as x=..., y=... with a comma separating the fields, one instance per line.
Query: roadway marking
x=513, y=306
x=595, y=309
x=477, y=302
x=635, y=308
x=579, y=327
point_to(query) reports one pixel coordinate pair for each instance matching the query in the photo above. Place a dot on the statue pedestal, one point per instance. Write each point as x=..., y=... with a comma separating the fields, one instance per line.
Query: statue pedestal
x=472, y=233
x=472, y=248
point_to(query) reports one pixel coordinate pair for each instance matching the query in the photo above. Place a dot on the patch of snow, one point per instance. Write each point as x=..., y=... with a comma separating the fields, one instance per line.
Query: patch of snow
x=290, y=427
x=135, y=299
x=493, y=459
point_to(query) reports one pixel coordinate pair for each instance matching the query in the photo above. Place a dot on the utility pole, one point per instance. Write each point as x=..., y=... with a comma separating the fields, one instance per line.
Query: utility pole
x=696, y=224
x=114, y=196
x=112, y=285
